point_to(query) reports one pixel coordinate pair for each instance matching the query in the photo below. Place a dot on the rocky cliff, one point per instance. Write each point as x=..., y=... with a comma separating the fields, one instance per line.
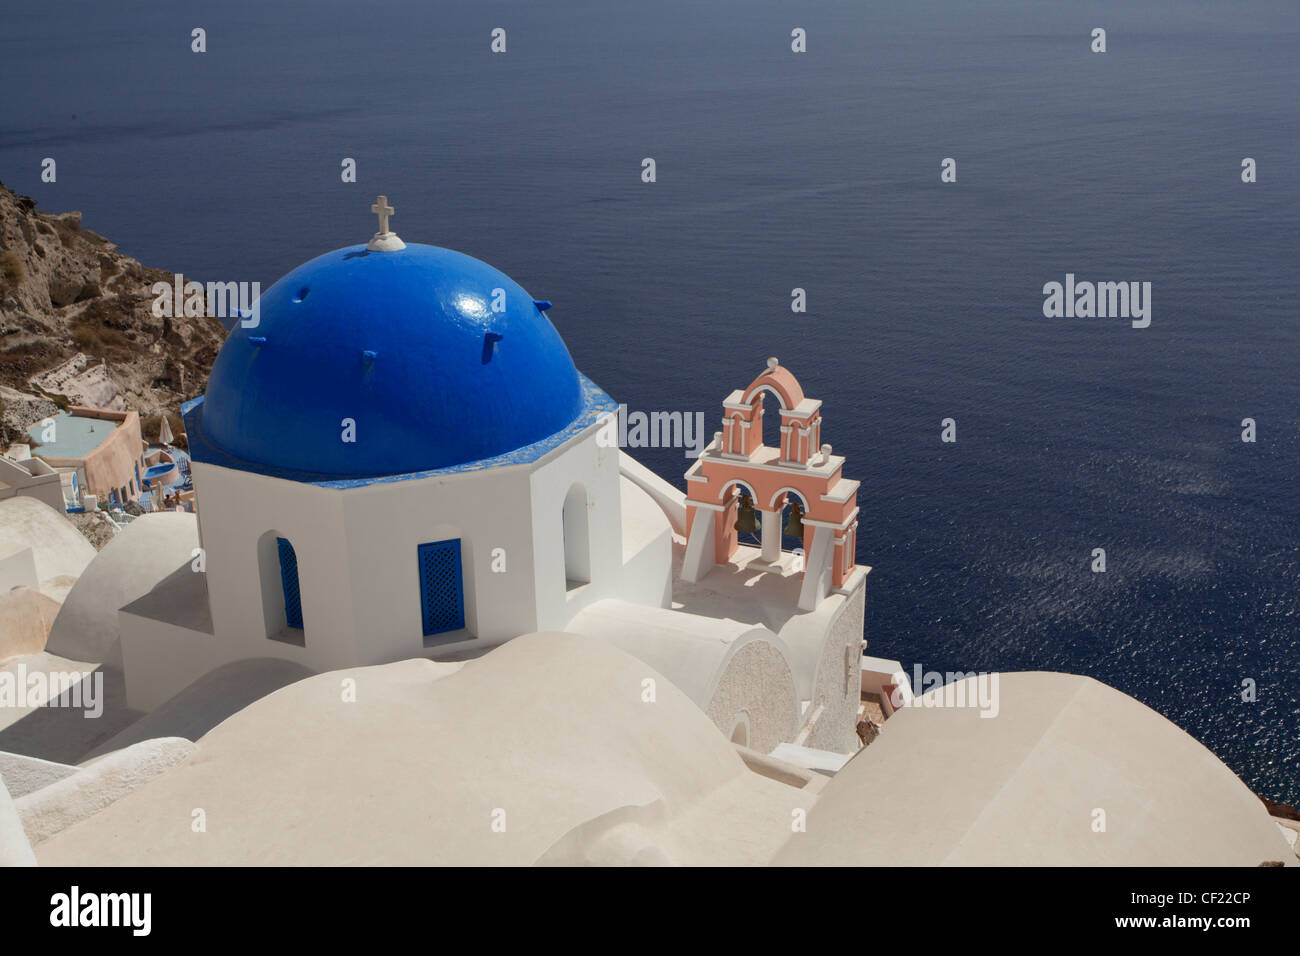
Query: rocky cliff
x=77, y=325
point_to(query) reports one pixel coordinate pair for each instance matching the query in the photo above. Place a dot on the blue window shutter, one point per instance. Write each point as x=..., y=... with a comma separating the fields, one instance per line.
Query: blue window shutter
x=442, y=594
x=289, y=579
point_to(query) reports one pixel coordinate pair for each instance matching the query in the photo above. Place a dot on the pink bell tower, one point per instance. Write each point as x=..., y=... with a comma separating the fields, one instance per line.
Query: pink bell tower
x=738, y=463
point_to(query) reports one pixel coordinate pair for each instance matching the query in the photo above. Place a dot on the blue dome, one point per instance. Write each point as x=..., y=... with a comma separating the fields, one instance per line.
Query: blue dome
x=405, y=344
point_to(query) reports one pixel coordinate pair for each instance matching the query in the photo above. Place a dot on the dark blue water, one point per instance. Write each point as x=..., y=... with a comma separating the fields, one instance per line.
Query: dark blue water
x=819, y=171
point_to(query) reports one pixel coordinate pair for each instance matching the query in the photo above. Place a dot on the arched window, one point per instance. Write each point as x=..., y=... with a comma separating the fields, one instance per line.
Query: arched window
x=289, y=582
x=442, y=591
x=277, y=565
x=771, y=419
x=577, y=540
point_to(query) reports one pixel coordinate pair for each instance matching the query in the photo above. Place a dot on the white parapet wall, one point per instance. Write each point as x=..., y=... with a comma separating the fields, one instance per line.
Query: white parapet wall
x=24, y=775
x=668, y=498
x=77, y=796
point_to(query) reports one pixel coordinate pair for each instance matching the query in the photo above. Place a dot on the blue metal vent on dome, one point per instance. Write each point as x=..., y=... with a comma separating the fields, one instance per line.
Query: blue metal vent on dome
x=442, y=594
x=289, y=581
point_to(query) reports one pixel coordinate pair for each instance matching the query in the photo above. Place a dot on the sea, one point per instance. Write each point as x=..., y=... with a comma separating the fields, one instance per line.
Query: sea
x=820, y=170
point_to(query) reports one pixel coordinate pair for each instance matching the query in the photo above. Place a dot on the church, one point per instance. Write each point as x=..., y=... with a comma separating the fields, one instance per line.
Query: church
x=398, y=459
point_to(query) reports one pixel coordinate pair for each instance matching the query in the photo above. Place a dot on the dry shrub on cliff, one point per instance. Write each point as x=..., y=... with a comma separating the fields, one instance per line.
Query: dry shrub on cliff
x=68, y=231
x=100, y=340
x=20, y=361
x=11, y=270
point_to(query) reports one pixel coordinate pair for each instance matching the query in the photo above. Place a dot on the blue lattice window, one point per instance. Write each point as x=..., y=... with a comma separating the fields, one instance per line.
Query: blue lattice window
x=442, y=593
x=289, y=580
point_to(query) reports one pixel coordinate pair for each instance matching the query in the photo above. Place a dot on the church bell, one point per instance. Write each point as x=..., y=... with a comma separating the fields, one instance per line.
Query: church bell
x=794, y=527
x=746, y=521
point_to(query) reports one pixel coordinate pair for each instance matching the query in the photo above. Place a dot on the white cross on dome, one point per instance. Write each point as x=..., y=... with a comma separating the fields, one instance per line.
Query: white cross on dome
x=383, y=240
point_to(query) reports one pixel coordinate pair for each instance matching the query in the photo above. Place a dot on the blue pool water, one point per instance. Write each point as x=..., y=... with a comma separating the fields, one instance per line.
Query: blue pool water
x=73, y=437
